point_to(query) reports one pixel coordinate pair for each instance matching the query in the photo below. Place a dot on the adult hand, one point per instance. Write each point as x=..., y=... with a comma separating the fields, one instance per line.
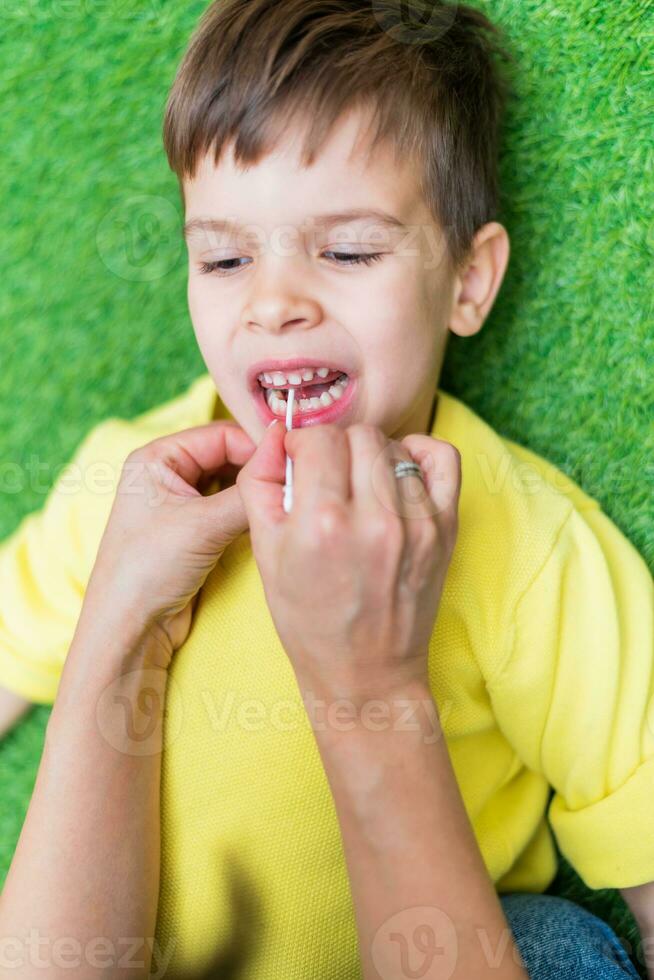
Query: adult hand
x=353, y=575
x=163, y=537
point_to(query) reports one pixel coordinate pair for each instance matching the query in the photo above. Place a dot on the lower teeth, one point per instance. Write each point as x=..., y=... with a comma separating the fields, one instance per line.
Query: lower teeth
x=277, y=404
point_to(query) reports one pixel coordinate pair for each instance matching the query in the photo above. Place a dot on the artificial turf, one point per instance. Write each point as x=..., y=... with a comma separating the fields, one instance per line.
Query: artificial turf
x=93, y=307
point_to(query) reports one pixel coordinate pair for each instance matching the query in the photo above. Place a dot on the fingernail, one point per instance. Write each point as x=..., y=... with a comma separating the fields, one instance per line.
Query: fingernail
x=270, y=424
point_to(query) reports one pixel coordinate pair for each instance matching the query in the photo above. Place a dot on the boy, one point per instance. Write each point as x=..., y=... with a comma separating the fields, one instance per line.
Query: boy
x=542, y=651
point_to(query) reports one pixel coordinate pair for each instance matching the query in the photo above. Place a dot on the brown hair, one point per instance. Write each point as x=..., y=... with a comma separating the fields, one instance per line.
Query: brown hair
x=433, y=84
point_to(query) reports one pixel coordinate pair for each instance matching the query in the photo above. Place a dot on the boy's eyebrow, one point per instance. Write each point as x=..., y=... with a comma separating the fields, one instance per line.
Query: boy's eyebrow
x=384, y=218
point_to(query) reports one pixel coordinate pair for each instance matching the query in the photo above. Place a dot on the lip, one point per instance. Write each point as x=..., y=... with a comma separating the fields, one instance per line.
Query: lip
x=322, y=416
x=290, y=364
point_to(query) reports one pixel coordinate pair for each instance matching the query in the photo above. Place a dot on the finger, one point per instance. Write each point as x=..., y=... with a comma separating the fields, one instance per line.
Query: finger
x=210, y=483
x=321, y=464
x=223, y=516
x=203, y=449
x=415, y=502
x=261, y=480
x=440, y=463
x=371, y=478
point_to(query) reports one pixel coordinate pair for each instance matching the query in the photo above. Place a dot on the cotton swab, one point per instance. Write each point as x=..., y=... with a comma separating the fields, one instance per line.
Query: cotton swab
x=288, y=486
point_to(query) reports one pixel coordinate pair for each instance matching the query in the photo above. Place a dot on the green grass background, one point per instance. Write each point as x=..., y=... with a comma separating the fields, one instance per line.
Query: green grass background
x=93, y=316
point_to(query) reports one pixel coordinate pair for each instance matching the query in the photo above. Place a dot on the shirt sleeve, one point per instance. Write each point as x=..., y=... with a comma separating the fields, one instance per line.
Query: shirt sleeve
x=45, y=565
x=575, y=697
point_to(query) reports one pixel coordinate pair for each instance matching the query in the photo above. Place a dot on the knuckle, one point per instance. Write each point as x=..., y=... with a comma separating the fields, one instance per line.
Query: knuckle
x=149, y=453
x=424, y=555
x=133, y=463
x=428, y=535
x=365, y=430
x=330, y=432
x=443, y=454
x=135, y=455
x=384, y=532
x=393, y=541
x=425, y=544
x=144, y=466
x=330, y=522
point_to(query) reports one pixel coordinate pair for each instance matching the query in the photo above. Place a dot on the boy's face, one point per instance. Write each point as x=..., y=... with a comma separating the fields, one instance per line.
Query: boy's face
x=285, y=292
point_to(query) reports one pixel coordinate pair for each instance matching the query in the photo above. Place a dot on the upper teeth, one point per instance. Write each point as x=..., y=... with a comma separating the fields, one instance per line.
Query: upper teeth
x=281, y=379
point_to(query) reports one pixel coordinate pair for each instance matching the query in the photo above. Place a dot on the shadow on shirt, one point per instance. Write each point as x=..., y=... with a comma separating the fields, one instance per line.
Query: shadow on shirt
x=231, y=961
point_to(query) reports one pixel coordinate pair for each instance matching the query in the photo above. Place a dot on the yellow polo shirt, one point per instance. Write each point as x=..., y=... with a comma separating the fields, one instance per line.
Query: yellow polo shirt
x=541, y=664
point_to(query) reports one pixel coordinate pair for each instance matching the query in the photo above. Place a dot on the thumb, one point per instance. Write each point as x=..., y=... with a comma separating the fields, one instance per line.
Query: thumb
x=224, y=517
x=261, y=480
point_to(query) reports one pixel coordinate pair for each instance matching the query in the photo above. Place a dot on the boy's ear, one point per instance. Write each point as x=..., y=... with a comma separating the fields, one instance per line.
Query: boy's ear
x=477, y=284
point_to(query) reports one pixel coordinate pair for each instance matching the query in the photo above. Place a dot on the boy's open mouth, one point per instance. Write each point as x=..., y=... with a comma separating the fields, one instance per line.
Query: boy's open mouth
x=313, y=389
x=321, y=393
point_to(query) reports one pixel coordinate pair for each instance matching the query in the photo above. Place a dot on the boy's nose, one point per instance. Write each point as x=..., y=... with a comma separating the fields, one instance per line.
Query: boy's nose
x=275, y=312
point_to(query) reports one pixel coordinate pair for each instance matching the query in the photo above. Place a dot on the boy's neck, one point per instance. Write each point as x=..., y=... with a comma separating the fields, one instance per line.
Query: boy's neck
x=432, y=416
x=422, y=420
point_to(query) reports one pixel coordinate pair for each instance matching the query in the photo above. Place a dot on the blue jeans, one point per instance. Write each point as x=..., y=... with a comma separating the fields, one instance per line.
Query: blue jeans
x=559, y=939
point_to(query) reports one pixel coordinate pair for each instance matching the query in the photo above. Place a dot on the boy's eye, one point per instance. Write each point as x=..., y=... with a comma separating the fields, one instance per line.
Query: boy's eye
x=354, y=258
x=222, y=267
